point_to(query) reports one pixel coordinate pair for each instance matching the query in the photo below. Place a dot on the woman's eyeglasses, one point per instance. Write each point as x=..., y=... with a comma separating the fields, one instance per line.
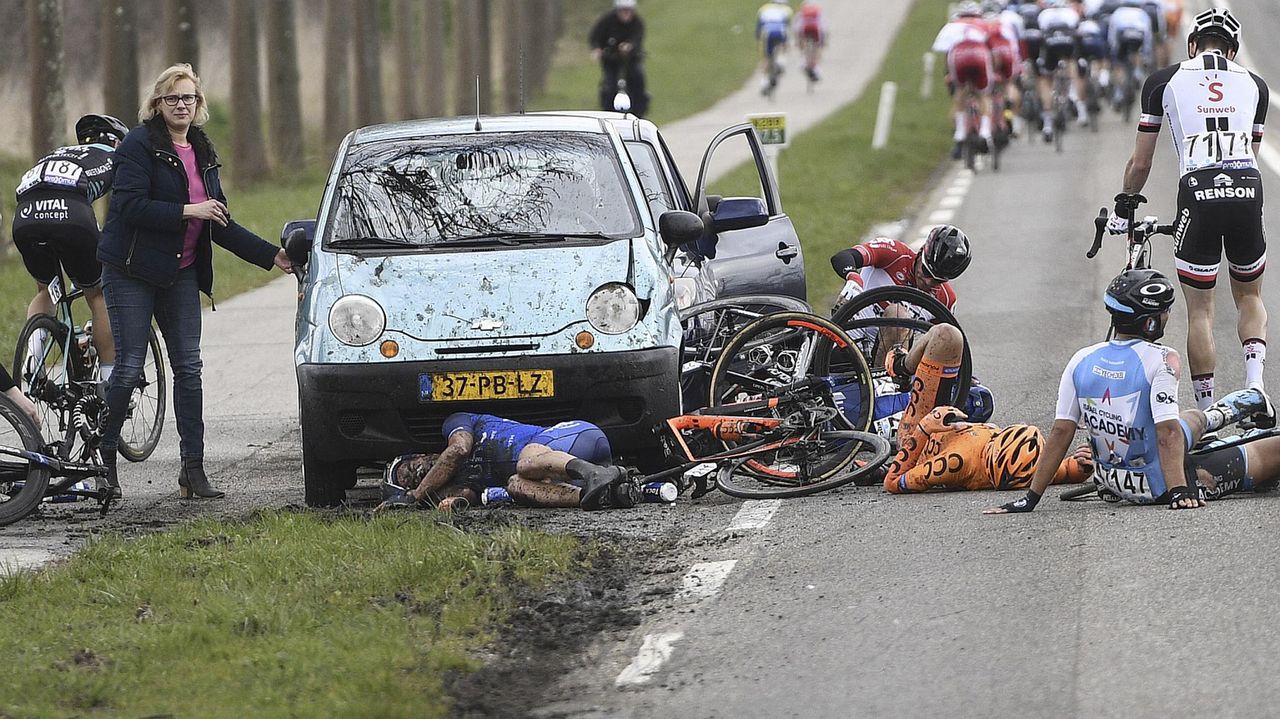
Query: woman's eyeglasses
x=173, y=100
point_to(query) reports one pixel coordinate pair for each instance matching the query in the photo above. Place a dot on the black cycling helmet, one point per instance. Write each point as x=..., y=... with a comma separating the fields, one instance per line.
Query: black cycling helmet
x=98, y=128
x=1136, y=300
x=1218, y=22
x=945, y=254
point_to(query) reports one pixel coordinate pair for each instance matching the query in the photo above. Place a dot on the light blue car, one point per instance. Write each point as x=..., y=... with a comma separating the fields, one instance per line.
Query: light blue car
x=512, y=265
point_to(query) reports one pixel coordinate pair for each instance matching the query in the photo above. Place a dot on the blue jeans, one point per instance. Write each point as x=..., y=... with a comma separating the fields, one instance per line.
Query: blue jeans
x=131, y=304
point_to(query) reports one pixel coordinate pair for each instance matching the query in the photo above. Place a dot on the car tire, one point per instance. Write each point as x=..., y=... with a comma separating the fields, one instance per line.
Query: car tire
x=325, y=484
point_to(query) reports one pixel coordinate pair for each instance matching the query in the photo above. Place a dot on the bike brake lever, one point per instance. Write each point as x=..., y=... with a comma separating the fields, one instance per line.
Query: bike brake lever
x=1100, y=226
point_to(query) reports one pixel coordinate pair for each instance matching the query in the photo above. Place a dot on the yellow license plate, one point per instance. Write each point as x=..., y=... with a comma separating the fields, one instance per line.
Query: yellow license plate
x=498, y=384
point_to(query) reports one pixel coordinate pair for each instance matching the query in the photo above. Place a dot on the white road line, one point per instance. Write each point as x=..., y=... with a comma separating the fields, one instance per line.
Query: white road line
x=704, y=579
x=950, y=202
x=654, y=652
x=754, y=515
x=941, y=217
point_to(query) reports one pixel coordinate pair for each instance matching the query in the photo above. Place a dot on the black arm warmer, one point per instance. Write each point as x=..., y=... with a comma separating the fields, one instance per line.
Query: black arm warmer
x=846, y=261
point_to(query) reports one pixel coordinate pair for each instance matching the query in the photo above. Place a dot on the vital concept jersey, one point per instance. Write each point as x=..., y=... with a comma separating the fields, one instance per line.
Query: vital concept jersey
x=1216, y=110
x=81, y=169
x=1120, y=390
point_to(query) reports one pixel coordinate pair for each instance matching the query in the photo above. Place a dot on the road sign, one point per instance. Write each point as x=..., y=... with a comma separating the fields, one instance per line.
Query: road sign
x=771, y=127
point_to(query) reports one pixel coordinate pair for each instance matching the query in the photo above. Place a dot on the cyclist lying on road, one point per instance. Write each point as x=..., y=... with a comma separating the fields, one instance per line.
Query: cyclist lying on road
x=961, y=455
x=565, y=465
x=1126, y=391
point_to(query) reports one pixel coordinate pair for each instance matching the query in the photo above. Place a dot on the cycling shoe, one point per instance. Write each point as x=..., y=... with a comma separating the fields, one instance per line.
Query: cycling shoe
x=597, y=483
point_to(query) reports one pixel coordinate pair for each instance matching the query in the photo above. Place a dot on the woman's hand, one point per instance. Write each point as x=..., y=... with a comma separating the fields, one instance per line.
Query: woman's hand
x=282, y=261
x=207, y=210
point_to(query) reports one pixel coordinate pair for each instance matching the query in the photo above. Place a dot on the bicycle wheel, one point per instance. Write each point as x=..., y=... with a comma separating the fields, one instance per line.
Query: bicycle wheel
x=872, y=451
x=40, y=369
x=144, y=419
x=708, y=326
x=766, y=360
x=22, y=482
x=862, y=318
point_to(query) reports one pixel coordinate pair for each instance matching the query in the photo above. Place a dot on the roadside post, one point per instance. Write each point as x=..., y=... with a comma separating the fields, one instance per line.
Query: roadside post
x=926, y=82
x=771, y=127
x=884, y=115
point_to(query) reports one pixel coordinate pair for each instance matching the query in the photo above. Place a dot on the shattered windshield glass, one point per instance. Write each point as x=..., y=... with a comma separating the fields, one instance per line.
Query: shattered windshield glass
x=500, y=188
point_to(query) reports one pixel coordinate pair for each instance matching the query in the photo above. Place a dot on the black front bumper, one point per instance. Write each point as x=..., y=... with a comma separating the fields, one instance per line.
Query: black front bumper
x=372, y=412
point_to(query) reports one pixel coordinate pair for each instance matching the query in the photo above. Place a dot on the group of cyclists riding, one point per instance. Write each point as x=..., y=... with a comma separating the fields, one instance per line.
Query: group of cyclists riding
x=776, y=25
x=1006, y=55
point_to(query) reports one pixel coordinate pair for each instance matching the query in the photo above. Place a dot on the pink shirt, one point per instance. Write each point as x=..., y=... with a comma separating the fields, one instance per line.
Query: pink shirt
x=197, y=194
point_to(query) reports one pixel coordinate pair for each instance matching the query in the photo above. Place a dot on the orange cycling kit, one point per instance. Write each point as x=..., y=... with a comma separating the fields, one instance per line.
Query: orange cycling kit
x=948, y=453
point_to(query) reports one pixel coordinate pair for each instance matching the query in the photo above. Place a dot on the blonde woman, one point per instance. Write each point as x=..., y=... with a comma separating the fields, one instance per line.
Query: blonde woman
x=167, y=209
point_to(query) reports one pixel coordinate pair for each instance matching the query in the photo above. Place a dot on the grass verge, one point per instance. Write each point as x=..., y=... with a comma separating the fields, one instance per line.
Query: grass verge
x=696, y=53
x=282, y=615
x=834, y=186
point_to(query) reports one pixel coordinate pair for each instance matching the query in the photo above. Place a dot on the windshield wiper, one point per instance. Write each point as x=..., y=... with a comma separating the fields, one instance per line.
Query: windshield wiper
x=370, y=243
x=515, y=238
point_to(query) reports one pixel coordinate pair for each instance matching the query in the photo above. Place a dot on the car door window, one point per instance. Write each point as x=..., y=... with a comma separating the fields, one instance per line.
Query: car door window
x=736, y=160
x=652, y=179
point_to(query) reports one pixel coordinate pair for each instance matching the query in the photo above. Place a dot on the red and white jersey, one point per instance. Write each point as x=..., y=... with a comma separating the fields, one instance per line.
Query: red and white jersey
x=888, y=262
x=999, y=29
x=960, y=31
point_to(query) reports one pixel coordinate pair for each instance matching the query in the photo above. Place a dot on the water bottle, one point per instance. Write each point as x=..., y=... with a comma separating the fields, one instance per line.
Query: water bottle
x=495, y=495
x=664, y=492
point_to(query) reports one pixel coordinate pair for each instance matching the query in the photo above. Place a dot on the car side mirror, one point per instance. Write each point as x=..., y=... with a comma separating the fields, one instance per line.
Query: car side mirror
x=677, y=228
x=298, y=247
x=739, y=213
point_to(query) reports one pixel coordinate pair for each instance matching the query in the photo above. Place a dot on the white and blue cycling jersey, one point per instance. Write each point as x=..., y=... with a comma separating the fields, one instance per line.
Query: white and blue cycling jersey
x=1120, y=391
x=772, y=23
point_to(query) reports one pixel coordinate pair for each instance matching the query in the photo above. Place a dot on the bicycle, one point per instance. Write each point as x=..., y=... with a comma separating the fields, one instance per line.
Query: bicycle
x=55, y=365
x=784, y=443
x=972, y=145
x=708, y=326
x=27, y=464
x=810, y=48
x=874, y=333
x=1061, y=104
x=1139, y=258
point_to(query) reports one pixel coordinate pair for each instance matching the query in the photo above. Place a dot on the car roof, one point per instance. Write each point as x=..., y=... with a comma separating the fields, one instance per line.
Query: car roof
x=534, y=122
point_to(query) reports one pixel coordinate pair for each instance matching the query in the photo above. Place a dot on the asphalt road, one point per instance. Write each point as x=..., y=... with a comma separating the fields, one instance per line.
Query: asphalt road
x=857, y=603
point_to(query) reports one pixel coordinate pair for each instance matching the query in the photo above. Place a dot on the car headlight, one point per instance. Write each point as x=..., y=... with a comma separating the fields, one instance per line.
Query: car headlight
x=613, y=308
x=356, y=320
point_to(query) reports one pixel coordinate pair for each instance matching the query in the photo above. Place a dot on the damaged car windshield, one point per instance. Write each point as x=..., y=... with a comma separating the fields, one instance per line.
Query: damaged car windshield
x=459, y=191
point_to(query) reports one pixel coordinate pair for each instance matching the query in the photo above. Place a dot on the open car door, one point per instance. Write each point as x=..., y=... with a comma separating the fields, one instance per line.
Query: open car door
x=750, y=244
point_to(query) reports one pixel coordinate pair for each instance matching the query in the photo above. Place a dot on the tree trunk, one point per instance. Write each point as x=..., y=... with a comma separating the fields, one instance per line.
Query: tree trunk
x=484, y=54
x=282, y=84
x=516, y=39
x=48, y=108
x=433, y=58
x=337, y=86
x=248, y=150
x=181, y=43
x=119, y=65
x=542, y=43
x=369, y=109
x=471, y=45
x=407, y=63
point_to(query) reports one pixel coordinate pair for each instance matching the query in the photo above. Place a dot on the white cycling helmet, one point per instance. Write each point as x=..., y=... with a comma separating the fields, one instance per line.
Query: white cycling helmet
x=1219, y=22
x=967, y=9
x=624, y=4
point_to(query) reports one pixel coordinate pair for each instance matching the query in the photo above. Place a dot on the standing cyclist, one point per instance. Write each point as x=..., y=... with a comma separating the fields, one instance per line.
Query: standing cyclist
x=55, y=229
x=617, y=43
x=1125, y=391
x=1216, y=111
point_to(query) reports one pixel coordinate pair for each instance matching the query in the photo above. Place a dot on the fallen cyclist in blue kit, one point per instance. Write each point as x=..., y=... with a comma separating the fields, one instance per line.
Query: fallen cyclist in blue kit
x=566, y=465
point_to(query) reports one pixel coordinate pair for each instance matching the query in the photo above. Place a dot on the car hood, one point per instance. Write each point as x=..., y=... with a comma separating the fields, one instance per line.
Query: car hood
x=486, y=295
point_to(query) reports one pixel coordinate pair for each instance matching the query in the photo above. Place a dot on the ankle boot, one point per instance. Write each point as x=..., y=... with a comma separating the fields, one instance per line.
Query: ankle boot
x=193, y=482
x=111, y=481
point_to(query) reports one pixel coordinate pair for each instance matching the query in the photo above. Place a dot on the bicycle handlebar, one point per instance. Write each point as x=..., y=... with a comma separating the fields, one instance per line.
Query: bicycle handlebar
x=1149, y=226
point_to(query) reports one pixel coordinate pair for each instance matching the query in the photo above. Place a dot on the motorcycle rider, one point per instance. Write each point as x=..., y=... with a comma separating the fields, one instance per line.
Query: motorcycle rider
x=617, y=43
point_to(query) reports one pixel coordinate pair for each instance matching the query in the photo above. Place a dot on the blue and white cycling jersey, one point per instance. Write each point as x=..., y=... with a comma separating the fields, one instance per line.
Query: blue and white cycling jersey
x=772, y=22
x=1120, y=390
